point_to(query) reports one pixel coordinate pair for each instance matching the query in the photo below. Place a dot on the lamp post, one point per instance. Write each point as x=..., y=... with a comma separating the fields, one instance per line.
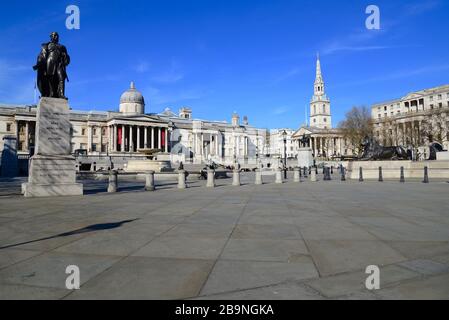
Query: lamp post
x=284, y=135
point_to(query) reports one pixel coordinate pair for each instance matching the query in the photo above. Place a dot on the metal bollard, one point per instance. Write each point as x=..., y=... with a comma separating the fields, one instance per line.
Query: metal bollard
x=149, y=181
x=113, y=181
x=332, y=169
x=327, y=174
x=297, y=175
x=279, y=176
x=381, y=177
x=182, y=179
x=258, y=177
x=360, y=174
x=210, y=178
x=343, y=174
x=426, y=175
x=402, y=179
x=236, y=178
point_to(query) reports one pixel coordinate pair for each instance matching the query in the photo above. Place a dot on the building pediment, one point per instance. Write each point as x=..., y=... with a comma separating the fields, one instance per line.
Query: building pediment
x=301, y=132
x=412, y=96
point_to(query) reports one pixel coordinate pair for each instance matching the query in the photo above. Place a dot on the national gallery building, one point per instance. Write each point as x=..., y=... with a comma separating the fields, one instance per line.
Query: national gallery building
x=131, y=132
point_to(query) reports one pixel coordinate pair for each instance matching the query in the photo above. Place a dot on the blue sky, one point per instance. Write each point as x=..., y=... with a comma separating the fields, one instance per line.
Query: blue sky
x=253, y=57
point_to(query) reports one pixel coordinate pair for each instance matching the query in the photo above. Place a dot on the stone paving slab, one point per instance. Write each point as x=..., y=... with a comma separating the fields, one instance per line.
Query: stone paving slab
x=291, y=241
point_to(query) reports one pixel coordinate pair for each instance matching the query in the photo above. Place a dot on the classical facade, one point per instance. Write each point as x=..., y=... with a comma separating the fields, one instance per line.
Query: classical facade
x=419, y=118
x=131, y=132
x=325, y=141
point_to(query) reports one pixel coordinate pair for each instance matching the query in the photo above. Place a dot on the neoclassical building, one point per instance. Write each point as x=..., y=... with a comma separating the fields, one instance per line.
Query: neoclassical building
x=326, y=142
x=130, y=132
x=419, y=118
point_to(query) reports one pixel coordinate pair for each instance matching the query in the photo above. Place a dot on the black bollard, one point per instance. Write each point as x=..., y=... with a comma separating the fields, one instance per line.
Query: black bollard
x=316, y=170
x=332, y=169
x=381, y=178
x=343, y=175
x=426, y=175
x=402, y=180
x=360, y=174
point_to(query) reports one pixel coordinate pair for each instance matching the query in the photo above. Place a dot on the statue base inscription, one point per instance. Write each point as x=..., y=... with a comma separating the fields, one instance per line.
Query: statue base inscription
x=52, y=168
x=305, y=157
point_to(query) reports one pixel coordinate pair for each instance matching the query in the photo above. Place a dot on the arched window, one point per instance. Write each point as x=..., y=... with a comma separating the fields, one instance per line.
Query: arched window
x=314, y=109
x=324, y=108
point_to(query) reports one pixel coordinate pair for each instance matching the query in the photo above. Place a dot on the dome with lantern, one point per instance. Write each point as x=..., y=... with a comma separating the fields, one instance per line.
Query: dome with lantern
x=132, y=101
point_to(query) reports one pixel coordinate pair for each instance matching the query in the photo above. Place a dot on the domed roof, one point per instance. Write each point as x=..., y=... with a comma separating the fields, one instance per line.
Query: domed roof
x=132, y=96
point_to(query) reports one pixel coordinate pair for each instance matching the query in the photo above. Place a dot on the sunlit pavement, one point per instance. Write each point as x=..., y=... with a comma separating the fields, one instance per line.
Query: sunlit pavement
x=291, y=241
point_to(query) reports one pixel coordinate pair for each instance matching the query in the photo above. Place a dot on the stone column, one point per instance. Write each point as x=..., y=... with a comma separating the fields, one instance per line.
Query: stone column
x=152, y=137
x=131, y=141
x=315, y=147
x=166, y=140
x=27, y=140
x=159, y=140
x=145, y=138
x=138, y=138
x=89, y=138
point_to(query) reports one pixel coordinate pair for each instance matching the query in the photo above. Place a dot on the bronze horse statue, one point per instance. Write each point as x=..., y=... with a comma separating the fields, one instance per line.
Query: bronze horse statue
x=372, y=150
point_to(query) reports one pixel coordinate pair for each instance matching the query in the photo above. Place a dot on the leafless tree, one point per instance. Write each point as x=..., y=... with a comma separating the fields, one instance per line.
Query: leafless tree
x=356, y=126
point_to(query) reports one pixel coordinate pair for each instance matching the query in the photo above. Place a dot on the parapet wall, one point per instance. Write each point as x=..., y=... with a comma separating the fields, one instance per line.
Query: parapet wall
x=392, y=169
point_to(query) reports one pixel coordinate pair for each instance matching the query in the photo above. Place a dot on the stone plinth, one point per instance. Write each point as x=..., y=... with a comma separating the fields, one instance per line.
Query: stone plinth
x=52, y=168
x=443, y=156
x=305, y=157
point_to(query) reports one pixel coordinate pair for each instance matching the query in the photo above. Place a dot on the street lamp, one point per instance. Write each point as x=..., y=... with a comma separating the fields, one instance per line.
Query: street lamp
x=284, y=135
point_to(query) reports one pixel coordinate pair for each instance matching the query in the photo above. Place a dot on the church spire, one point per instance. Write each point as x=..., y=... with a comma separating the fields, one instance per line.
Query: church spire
x=319, y=82
x=318, y=67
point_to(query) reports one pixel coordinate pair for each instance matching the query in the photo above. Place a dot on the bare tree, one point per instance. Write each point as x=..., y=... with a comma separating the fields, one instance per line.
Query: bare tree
x=356, y=126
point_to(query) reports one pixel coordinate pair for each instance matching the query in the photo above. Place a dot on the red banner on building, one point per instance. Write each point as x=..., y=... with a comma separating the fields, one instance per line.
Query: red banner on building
x=119, y=135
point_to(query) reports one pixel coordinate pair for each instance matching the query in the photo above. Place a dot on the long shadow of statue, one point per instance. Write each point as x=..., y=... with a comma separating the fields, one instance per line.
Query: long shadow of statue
x=91, y=228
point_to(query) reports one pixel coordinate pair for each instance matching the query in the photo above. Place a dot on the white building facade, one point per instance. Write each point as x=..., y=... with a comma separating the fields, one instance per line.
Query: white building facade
x=418, y=119
x=132, y=133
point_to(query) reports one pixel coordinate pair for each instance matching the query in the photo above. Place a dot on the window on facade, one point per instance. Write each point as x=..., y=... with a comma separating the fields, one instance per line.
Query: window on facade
x=8, y=127
x=440, y=97
x=83, y=132
x=379, y=116
x=324, y=108
x=103, y=147
x=440, y=105
x=385, y=108
x=314, y=109
x=94, y=147
x=314, y=120
x=325, y=119
x=431, y=106
x=94, y=132
x=431, y=98
x=103, y=131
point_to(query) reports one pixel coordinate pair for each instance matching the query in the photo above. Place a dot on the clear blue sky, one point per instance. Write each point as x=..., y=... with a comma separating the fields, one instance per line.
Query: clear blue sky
x=253, y=57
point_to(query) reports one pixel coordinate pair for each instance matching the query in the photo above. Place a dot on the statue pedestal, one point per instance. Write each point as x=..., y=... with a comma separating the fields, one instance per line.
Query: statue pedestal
x=52, y=168
x=305, y=157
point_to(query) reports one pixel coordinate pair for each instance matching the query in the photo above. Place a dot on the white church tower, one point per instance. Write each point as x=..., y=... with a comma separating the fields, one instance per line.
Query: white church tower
x=320, y=106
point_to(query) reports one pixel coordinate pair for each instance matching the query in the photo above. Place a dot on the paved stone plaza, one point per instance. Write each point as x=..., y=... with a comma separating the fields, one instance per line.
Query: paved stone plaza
x=289, y=241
